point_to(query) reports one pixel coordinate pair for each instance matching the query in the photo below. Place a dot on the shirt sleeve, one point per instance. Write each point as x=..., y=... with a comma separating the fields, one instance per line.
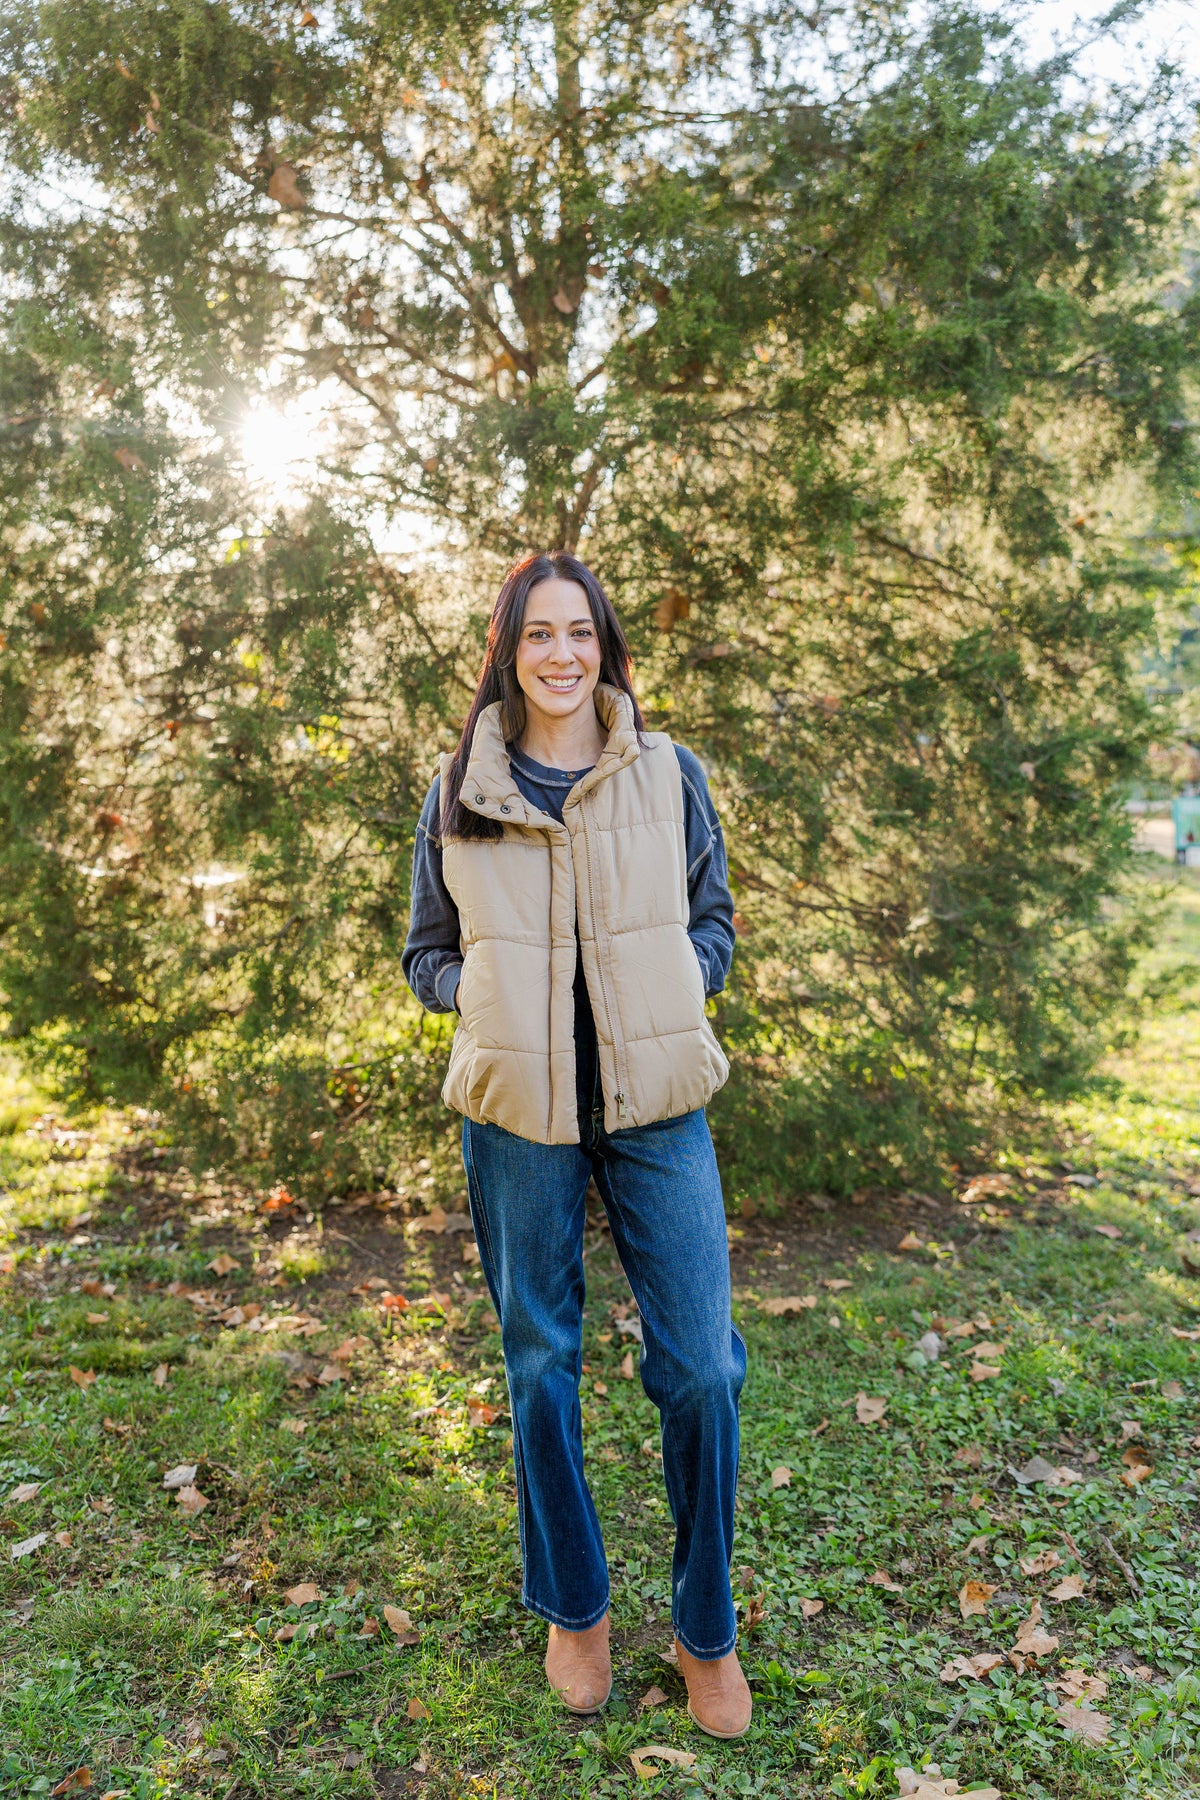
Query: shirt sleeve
x=432, y=956
x=710, y=903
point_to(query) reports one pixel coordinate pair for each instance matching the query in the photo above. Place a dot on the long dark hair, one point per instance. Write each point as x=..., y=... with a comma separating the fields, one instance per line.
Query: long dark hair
x=498, y=677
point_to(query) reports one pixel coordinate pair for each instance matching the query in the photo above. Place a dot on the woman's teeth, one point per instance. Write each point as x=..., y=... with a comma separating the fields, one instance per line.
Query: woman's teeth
x=561, y=683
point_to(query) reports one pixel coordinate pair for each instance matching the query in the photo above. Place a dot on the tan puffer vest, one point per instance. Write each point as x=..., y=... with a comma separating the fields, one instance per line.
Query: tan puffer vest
x=617, y=862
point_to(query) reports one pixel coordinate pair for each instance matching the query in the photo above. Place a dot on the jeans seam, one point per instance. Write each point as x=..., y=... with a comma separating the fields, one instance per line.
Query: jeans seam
x=559, y=1619
x=706, y=1655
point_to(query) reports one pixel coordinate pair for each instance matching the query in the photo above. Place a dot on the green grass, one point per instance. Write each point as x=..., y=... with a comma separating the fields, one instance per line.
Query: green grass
x=140, y=1640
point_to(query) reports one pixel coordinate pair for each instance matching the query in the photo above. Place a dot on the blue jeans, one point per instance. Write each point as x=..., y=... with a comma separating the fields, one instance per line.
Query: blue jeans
x=662, y=1194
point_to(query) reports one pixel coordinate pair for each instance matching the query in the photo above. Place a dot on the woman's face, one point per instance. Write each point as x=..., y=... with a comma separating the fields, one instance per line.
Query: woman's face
x=558, y=657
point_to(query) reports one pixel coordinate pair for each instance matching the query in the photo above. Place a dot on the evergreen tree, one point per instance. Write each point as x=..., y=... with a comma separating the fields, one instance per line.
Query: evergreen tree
x=844, y=347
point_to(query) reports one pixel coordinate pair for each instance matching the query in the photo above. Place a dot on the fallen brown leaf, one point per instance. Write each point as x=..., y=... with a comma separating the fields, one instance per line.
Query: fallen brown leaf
x=305, y=1593
x=648, y=1761
x=1108, y=1231
x=115, y=1426
x=1071, y=1587
x=431, y=1221
x=970, y=1668
x=480, y=1414
x=81, y=1377
x=161, y=1375
x=971, y=1456
x=331, y=1373
x=1041, y=1564
x=910, y=1241
x=653, y=1696
x=1076, y=1685
x=787, y=1303
x=182, y=1475
x=350, y=1347
x=987, y=1352
x=223, y=1264
x=297, y=1426
x=881, y=1579
x=400, y=1625
x=981, y=1371
x=25, y=1490
x=1031, y=1639
x=1093, y=1727
x=393, y=1302
x=836, y=1284
x=191, y=1500
x=63, y=1539
x=973, y=1597
x=811, y=1607
x=96, y=1318
x=627, y=1365
x=868, y=1409
x=417, y=1709
x=370, y=1628
x=781, y=1477
x=1134, y=1476
x=78, y=1778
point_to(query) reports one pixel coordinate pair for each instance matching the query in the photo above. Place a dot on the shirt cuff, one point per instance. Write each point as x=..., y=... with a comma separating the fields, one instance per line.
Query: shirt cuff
x=444, y=988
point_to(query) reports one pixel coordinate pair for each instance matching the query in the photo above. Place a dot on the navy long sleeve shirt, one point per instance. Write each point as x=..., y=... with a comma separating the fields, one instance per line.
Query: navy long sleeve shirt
x=432, y=955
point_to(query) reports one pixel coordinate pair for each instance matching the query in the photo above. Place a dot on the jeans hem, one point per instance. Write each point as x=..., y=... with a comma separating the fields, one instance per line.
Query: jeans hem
x=707, y=1655
x=565, y=1624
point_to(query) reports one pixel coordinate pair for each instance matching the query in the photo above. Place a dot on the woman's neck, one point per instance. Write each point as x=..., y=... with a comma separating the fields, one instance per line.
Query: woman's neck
x=571, y=743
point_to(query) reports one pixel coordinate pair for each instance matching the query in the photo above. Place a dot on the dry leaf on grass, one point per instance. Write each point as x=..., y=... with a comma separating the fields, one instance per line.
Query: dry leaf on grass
x=970, y=1668
x=881, y=1579
x=305, y=1593
x=370, y=1628
x=1131, y=1429
x=650, y=1760
x=81, y=1377
x=161, y=1375
x=400, y=1625
x=297, y=1426
x=470, y=1253
x=70, y=1784
x=1077, y=1685
x=1031, y=1639
x=393, y=1302
x=27, y=1546
x=1192, y=1337
x=350, y=1347
x=25, y=1490
x=417, y=1709
x=1108, y=1231
x=981, y=1371
x=182, y=1475
x=836, y=1284
x=191, y=1500
x=63, y=1538
x=787, y=1303
x=869, y=1409
x=96, y=1318
x=331, y=1373
x=932, y=1785
x=910, y=1241
x=1093, y=1727
x=973, y=1597
x=107, y=1288
x=627, y=1365
x=965, y=1329
x=480, y=1414
x=970, y=1455
x=653, y=1696
x=224, y=1264
x=1041, y=1564
x=431, y=1221
x=1132, y=1477
x=781, y=1477
x=1071, y=1587
x=1038, y=1469
x=810, y=1608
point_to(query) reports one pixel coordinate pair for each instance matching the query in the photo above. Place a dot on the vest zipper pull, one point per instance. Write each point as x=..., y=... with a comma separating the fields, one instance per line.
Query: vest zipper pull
x=622, y=1109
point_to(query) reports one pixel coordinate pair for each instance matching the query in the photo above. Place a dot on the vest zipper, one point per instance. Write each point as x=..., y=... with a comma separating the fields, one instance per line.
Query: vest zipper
x=619, y=1096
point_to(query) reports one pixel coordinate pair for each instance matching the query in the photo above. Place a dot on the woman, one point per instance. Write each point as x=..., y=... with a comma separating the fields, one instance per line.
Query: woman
x=570, y=903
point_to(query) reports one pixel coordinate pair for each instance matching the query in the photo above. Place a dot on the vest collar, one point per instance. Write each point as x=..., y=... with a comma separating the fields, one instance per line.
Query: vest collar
x=488, y=785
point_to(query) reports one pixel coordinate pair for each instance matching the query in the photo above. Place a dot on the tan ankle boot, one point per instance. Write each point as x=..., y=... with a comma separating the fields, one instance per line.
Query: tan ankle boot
x=719, y=1699
x=579, y=1668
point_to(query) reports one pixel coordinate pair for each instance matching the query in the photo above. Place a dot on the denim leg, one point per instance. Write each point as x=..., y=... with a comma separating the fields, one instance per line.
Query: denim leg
x=527, y=1204
x=662, y=1192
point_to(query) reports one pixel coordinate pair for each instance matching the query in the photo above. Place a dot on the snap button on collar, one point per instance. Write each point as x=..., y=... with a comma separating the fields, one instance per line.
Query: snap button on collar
x=506, y=809
x=479, y=800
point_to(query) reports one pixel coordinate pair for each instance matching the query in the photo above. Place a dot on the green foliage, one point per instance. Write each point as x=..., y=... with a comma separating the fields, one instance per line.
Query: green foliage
x=846, y=349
